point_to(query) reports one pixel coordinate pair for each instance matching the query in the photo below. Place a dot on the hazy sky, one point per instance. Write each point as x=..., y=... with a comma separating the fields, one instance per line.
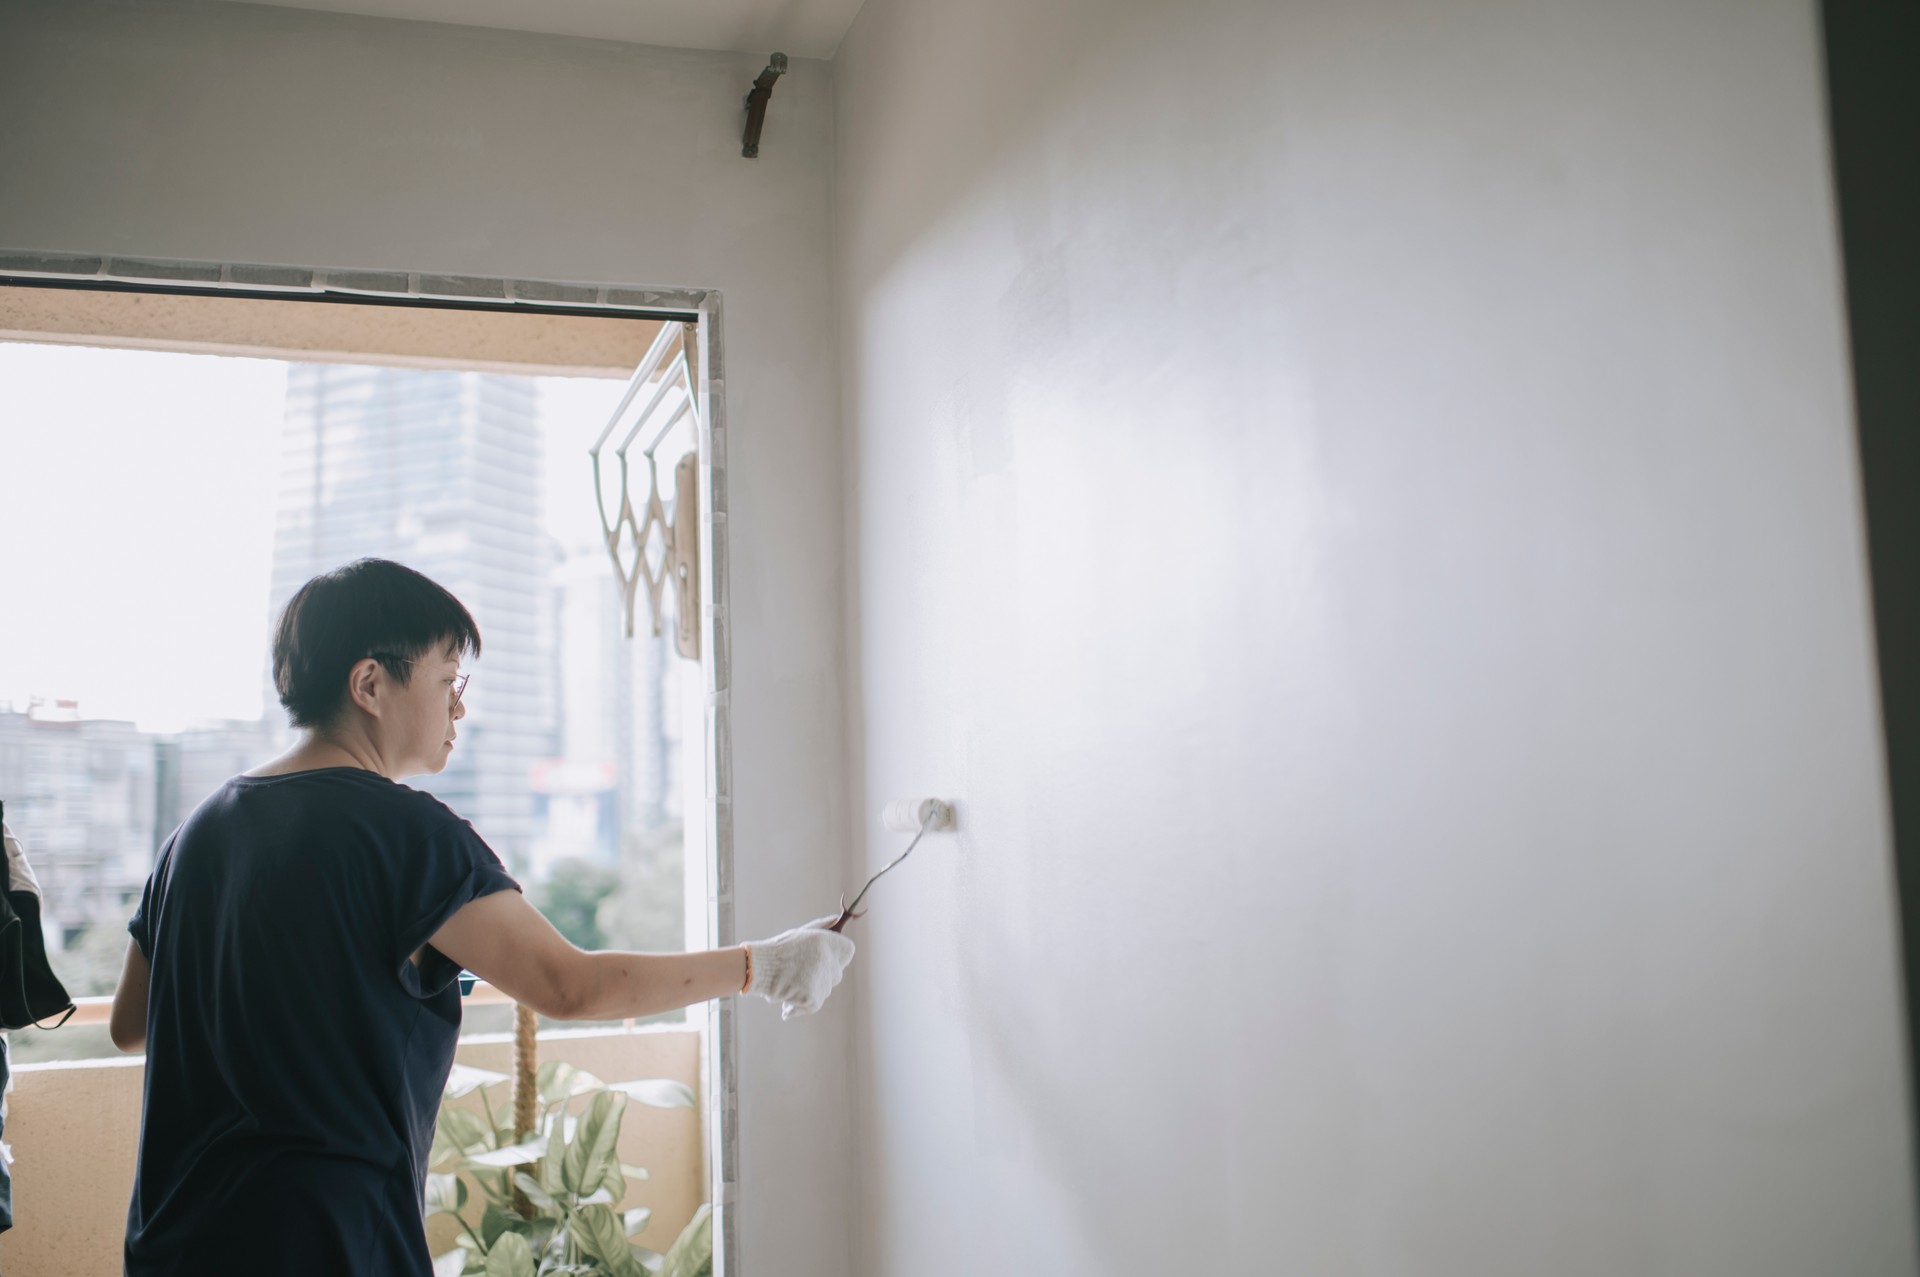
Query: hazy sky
x=136, y=523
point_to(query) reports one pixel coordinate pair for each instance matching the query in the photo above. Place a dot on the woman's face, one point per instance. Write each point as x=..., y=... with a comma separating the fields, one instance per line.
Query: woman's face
x=428, y=712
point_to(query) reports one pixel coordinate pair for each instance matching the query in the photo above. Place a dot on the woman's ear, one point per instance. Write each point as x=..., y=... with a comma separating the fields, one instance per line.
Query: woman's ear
x=363, y=682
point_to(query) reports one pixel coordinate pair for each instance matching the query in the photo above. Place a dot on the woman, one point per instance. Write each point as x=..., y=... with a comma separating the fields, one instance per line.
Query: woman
x=293, y=959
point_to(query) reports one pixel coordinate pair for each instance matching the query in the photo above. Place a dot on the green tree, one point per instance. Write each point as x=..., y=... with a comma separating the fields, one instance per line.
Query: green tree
x=571, y=896
x=647, y=910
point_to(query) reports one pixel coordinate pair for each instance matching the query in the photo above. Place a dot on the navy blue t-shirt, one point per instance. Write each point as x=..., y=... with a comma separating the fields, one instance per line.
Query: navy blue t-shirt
x=295, y=1052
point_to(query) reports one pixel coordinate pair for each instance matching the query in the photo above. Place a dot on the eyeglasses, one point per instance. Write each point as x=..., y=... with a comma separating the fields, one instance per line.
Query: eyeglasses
x=460, y=681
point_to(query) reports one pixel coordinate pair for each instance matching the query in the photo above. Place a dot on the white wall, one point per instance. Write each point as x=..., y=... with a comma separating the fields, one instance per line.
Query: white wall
x=1357, y=500
x=238, y=133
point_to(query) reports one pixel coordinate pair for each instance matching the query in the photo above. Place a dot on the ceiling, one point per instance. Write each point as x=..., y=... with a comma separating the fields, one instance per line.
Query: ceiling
x=798, y=28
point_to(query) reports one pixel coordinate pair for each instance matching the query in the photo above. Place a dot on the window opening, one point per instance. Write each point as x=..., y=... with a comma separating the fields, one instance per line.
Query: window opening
x=164, y=508
x=374, y=319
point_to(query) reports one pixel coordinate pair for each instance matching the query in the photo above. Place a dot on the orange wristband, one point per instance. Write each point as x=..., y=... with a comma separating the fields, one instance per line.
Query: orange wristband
x=747, y=983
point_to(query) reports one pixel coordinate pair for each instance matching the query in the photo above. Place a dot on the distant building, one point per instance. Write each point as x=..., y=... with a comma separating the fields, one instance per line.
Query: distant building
x=194, y=763
x=439, y=471
x=653, y=782
x=80, y=794
x=578, y=809
x=615, y=769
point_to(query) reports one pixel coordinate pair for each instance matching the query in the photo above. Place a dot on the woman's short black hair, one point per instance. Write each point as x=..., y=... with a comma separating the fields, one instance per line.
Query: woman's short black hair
x=370, y=607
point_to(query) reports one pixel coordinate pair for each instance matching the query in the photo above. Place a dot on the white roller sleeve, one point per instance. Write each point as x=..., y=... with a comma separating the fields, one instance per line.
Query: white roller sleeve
x=910, y=815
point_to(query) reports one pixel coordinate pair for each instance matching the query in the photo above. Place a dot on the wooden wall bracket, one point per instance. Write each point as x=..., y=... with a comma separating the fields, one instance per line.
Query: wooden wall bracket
x=757, y=104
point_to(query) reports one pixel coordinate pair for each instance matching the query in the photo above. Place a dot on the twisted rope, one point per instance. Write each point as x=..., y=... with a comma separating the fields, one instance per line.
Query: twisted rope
x=526, y=1092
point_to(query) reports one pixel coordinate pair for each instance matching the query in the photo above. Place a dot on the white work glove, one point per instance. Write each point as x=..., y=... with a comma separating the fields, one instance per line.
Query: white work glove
x=799, y=968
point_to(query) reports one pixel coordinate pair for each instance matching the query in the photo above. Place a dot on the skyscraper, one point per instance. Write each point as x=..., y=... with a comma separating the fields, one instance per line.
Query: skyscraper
x=439, y=471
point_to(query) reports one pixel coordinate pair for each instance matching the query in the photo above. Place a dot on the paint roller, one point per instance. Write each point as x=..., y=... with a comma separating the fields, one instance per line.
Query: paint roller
x=918, y=816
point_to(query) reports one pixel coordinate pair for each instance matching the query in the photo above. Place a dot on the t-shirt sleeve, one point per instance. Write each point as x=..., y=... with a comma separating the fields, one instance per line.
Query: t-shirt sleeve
x=140, y=926
x=441, y=876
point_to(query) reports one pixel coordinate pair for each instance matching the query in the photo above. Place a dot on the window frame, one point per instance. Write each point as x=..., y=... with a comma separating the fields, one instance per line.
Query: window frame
x=526, y=297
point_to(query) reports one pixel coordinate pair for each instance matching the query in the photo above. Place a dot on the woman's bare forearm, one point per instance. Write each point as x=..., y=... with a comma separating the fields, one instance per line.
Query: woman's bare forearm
x=620, y=986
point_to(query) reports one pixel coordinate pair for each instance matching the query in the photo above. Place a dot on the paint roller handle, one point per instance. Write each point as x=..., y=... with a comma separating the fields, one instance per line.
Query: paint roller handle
x=921, y=814
x=847, y=915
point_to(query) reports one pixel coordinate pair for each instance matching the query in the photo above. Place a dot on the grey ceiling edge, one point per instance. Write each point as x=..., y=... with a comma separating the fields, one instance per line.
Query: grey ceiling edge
x=244, y=276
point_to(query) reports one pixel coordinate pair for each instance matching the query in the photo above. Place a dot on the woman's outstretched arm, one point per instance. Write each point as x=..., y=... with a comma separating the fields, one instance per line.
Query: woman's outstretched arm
x=506, y=942
x=511, y=945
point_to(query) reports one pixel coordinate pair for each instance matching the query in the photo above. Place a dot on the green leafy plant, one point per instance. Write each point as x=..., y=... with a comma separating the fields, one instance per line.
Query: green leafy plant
x=565, y=1216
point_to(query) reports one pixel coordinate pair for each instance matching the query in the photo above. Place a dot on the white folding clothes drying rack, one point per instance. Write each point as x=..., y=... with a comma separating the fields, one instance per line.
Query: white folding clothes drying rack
x=668, y=366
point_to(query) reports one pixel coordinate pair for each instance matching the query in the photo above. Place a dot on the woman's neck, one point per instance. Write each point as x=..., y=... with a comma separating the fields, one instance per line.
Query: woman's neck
x=316, y=750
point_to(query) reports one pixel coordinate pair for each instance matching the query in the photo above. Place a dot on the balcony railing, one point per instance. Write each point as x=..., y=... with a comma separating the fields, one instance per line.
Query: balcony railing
x=74, y=1128
x=97, y=1010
